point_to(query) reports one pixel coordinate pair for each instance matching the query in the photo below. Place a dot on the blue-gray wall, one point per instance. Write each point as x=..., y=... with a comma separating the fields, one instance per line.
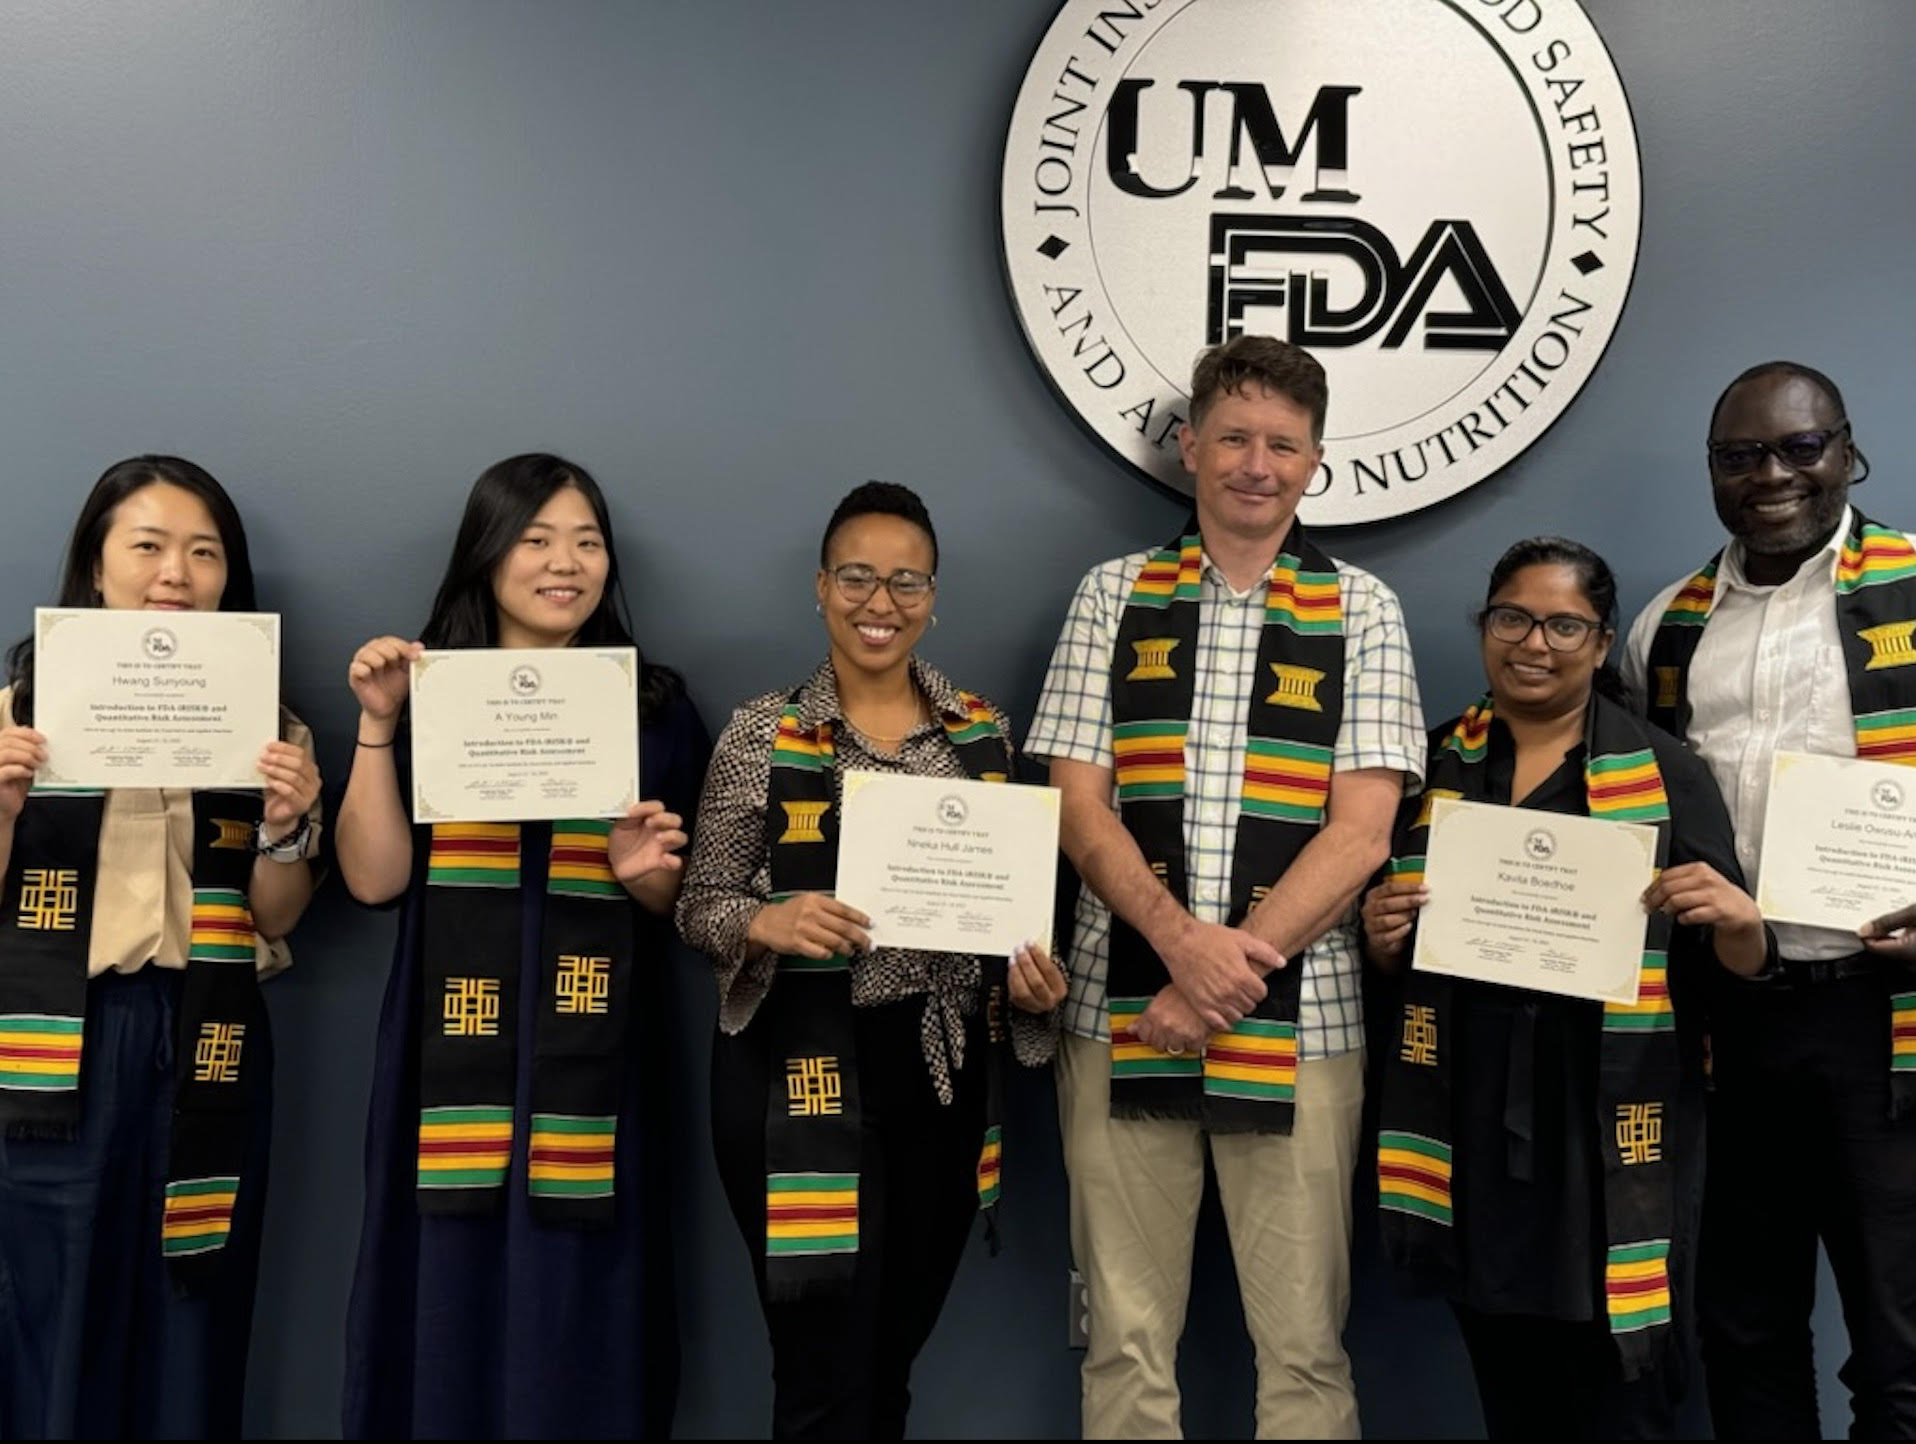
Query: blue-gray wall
x=734, y=257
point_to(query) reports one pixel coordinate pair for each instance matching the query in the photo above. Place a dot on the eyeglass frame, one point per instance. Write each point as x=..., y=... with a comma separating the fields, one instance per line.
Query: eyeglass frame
x=902, y=603
x=1774, y=448
x=1591, y=628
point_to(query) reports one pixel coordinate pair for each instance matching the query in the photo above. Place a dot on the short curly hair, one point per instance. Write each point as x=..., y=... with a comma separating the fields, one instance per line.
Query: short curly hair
x=1268, y=362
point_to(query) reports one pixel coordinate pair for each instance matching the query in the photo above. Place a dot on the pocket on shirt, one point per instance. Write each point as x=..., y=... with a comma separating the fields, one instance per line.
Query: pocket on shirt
x=1832, y=729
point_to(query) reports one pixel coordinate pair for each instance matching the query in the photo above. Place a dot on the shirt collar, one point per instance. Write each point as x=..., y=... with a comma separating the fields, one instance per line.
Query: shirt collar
x=1731, y=573
x=818, y=697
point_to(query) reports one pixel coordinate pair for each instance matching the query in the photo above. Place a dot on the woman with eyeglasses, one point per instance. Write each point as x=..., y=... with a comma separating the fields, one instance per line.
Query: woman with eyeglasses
x=854, y=1090
x=1540, y=1157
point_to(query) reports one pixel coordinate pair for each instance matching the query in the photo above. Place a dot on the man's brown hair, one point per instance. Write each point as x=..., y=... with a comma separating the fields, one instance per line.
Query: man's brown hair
x=1266, y=362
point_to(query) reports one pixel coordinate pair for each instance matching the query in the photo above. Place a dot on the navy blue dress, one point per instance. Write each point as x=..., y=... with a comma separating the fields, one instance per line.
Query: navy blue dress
x=496, y=1326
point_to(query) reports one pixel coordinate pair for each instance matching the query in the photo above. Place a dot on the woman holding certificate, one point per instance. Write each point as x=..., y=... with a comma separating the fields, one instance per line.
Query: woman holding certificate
x=1540, y=1155
x=514, y=1274
x=135, y=1052
x=854, y=1090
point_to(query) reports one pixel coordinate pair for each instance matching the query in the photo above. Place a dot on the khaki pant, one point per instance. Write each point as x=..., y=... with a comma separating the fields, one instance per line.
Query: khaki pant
x=1135, y=1190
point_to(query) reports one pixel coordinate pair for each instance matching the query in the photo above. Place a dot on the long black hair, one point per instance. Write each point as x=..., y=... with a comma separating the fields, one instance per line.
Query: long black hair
x=1594, y=579
x=84, y=549
x=501, y=505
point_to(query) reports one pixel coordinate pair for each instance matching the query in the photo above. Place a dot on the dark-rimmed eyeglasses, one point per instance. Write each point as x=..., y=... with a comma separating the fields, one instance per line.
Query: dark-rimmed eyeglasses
x=1796, y=451
x=856, y=582
x=1562, y=631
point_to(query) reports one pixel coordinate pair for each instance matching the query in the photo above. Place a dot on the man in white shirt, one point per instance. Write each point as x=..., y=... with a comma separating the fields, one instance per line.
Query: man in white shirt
x=1812, y=1132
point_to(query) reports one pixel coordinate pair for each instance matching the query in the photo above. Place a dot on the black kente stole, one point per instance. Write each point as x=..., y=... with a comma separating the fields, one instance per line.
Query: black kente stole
x=469, y=1021
x=1244, y=1080
x=1638, y=1067
x=1876, y=617
x=812, y=1114
x=46, y=922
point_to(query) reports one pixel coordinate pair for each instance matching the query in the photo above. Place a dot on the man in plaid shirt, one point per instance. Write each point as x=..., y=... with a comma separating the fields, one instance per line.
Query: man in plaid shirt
x=1252, y=445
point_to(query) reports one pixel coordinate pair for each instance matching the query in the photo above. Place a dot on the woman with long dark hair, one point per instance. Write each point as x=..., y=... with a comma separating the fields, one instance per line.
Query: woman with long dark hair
x=1540, y=1157
x=488, y=1302
x=135, y=1053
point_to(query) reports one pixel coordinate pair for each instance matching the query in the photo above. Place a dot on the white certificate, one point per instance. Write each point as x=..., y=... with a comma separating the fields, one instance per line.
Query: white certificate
x=949, y=866
x=154, y=699
x=1535, y=899
x=1839, y=841
x=504, y=735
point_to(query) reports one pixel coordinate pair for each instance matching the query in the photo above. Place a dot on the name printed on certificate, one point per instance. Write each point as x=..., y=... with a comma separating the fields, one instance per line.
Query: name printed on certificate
x=525, y=735
x=949, y=865
x=1537, y=900
x=1839, y=841
x=154, y=698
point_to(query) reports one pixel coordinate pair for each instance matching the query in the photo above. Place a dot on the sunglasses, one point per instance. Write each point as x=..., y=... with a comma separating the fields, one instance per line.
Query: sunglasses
x=1796, y=451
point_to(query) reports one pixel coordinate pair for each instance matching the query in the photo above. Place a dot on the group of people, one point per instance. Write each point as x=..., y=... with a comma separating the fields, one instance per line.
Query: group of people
x=1233, y=721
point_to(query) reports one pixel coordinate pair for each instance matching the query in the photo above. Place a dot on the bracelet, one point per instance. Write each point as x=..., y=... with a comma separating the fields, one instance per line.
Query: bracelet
x=358, y=743
x=290, y=848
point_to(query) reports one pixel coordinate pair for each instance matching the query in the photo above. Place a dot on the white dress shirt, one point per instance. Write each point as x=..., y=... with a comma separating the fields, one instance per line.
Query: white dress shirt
x=1768, y=676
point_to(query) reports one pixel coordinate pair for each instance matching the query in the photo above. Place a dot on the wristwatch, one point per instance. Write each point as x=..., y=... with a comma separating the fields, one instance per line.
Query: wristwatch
x=296, y=846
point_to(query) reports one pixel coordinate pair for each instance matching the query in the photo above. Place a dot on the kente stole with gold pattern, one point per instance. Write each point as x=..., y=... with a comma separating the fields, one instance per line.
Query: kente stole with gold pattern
x=1243, y=1080
x=1638, y=1059
x=1876, y=618
x=473, y=929
x=812, y=1113
x=46, y=923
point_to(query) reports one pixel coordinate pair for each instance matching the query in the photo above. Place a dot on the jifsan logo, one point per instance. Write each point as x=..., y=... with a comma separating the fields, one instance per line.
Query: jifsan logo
x=1439, y=198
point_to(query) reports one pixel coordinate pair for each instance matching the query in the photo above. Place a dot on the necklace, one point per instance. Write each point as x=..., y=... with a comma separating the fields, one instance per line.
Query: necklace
x=918, y=716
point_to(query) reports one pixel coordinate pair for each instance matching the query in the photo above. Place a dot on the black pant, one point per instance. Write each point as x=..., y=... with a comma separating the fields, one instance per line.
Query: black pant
x=1802, y=1147
x=841, y=1366
x=1541, y=1378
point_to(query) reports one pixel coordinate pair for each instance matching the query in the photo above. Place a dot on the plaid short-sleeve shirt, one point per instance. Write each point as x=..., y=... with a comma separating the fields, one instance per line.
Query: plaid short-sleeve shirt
x=1382, y=726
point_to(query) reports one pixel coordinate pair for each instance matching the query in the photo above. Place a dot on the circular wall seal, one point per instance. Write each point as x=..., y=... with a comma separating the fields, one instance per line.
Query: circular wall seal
x=1440, y=199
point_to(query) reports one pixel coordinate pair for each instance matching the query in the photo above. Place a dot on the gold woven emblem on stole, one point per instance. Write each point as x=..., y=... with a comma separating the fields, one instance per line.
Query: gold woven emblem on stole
x=1667, y=686
x=813, y=1087
x=234, y=836
x=216, y=1053
x=1420, y=1034
x=802, y=820
x=1296, y=687
x=1154, y=660
x=584, y=984
x=1889, y=645
x=471, y=1008
x=50, y=899
x=1640, y=1132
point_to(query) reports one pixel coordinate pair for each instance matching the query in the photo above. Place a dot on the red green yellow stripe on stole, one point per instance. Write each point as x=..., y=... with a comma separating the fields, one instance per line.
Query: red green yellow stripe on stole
x=1170, y=576
x=1286, y=781
x=198, y=1216
x=1902, y=1033
x=1309, y=603
x=579, y=866
x=1470, y=738
x=1651, y=1013
x=222, y=927
x=1413, y=1175
x=1690, y=607
x=40, y=1053
x=1888, y=736
x=1406, y=869
x=811, y=1213
x=1255, y=1061
x=1133, y=1058
x=1636, y=1285
x=474, y=854
x=978, y=721
x=795, y=746
x=1626, y=787
x=570, y=1155
x=464, y=1147
x=990, y=1167
x=1879, y=555
x=1150, y=759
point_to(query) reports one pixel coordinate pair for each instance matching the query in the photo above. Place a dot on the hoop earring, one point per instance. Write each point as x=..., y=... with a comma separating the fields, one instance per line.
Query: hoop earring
x=933, y=624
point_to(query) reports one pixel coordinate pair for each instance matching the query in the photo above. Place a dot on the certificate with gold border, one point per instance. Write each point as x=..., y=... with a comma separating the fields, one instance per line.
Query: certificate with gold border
x=1839, y=841
x=524, y=735
x=154, y=699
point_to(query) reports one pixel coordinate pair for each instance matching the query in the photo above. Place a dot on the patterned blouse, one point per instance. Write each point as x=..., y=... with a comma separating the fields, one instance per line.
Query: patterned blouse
x=729, y=876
